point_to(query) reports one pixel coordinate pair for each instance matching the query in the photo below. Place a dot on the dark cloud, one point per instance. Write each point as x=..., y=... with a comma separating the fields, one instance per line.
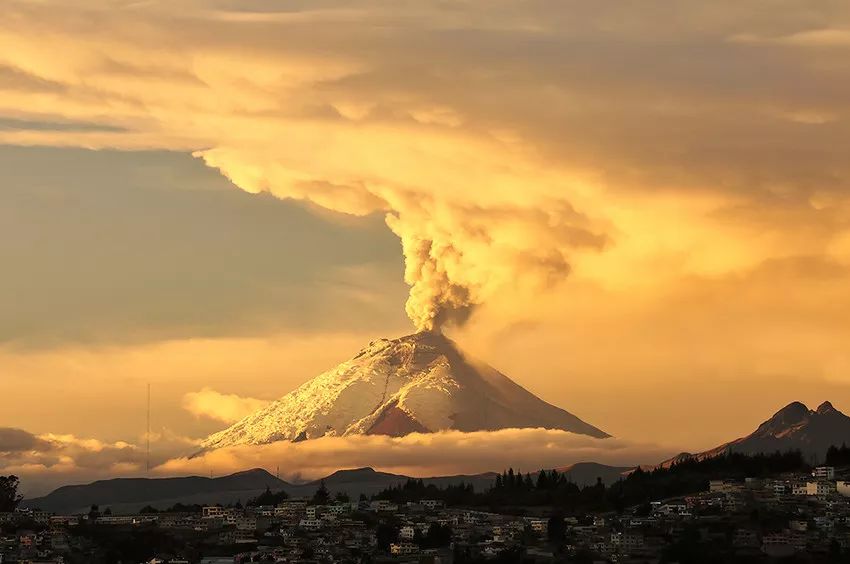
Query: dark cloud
x=128, y=246
x=14, y=78
x=19, y=441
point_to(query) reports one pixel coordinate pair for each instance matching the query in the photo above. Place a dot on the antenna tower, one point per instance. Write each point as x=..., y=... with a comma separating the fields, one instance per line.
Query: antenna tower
x=148, y=434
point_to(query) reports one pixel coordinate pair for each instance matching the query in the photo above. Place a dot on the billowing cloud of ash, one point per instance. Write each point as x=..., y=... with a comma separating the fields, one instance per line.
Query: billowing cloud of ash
x=456, y=258
x=347, y=121
x=461, y=245
x=500, y=141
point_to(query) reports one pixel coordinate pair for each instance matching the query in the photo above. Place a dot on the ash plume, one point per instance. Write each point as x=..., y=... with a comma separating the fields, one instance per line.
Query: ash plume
x=459, y=250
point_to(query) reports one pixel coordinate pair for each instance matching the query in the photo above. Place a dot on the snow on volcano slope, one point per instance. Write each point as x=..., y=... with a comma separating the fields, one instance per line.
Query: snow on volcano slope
x=418, y=383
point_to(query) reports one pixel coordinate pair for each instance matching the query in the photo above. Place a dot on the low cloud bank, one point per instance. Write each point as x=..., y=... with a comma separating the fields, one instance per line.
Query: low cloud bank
x=428, y=454
x=47, y=461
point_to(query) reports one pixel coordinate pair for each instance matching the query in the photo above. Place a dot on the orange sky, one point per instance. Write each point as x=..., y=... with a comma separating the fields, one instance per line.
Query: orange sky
x=642, y=209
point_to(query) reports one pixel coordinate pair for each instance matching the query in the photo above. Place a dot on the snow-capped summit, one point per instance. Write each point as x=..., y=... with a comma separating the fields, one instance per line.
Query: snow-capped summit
x=418, y=383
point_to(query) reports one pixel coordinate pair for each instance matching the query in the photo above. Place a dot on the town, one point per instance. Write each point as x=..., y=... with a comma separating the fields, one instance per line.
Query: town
x=801, y=515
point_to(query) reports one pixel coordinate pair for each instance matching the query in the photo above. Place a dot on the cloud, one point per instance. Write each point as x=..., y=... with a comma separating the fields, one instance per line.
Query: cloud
x=448, y=452
x=16, y=441
x=557, y=125
x=227, y=408
x=633, y=147
x=49, y=460
x=63, y=459
x=826, y=37
x=137, y=287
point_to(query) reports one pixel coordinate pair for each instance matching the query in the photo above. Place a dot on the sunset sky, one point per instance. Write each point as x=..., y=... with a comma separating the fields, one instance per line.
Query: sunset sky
x=640, y=211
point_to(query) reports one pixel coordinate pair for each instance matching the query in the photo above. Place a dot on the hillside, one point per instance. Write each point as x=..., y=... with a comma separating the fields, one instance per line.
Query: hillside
x=794, y=427
x=128, y=495
x=125, y=495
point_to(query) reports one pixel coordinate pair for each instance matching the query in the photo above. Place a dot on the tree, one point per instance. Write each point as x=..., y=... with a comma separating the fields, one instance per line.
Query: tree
x=437, y=536
x=94, y=512
x=322, y=495
x=9, y=497
x=556, y=528
x=268, y=498
x=386, y=534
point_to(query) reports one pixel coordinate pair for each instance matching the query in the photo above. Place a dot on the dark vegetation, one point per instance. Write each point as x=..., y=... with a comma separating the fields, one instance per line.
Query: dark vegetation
x=838, y=456
x=552, y=488
x=268, y=498
x=9, y=497
x=176, y=508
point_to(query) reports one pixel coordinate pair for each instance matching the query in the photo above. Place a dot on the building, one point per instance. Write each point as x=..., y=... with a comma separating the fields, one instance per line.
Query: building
x=403, y=549
x=722, y=486
x=539, y=525
x=246, y=523
x=212, y=512
x=824, y=473
x=383, y=505
x=311, y=524
x=632, y=541
x=433, y=504
x=819, y=488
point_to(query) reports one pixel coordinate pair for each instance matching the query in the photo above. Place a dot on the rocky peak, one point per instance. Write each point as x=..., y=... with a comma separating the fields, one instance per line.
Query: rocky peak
x=790, y=415
x=826, y=408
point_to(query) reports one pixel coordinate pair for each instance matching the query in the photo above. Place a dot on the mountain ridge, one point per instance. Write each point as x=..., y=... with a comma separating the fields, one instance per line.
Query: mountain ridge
x=129, y=495
x=138, y=492
x=794, y=427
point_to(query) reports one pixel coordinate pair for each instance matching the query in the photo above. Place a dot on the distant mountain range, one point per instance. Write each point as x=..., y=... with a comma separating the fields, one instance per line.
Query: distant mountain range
x=129, y=495
x=417, y=383
x=794, y=427
x=586, y=473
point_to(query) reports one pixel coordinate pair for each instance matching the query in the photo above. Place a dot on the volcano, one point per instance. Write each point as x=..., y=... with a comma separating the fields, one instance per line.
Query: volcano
x=419, y=383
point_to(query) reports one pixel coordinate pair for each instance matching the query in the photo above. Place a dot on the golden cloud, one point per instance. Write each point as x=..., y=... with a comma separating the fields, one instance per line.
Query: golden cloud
x=62, y=459
x=423, y=454
x=504, y=153
x=227, y=408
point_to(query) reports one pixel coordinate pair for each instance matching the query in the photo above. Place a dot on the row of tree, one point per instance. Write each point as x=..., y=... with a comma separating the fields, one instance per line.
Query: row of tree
x=553, y=488
x=838, y=456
